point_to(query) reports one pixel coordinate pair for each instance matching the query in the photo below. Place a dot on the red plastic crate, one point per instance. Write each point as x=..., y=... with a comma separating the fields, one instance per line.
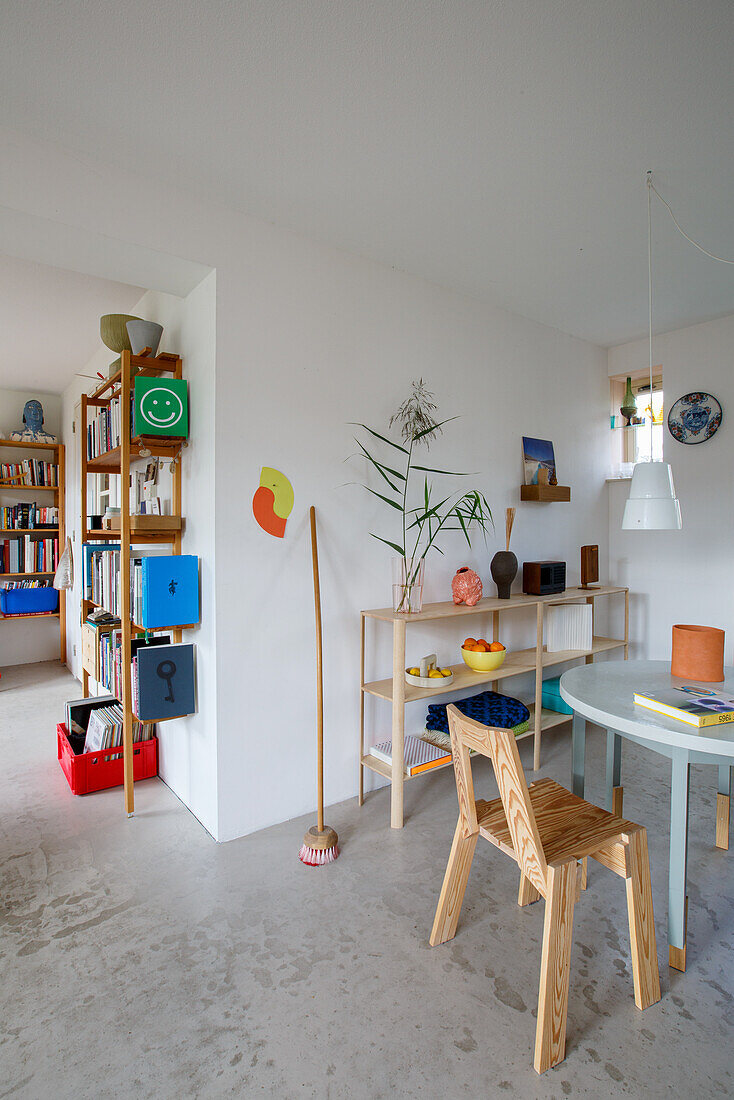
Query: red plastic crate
x=96, y=771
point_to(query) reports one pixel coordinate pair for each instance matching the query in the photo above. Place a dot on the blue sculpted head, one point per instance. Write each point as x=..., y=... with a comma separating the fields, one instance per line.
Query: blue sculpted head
x=33, y=415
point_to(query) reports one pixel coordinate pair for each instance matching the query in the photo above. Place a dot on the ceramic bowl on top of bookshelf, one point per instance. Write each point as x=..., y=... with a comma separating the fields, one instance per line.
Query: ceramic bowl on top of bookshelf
x=483, y=662
x=113, y=331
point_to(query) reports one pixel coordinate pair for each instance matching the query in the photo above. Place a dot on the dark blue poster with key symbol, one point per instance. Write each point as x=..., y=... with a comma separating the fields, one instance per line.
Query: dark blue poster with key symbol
x=170, y=584
x=165, y=682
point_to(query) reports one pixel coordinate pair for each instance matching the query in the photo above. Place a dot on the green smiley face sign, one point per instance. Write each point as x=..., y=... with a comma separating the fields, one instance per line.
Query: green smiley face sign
x=161, y=407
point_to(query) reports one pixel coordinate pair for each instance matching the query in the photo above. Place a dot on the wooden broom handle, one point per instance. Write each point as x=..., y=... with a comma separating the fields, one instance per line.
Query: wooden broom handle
x=319, y=671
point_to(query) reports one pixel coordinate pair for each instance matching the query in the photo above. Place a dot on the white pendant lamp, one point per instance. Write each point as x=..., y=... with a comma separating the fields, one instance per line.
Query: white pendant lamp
x=652, y=504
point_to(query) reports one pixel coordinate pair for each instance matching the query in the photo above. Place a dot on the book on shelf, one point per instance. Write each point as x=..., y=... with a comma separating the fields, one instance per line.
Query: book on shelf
x=27, y=515
x=26, y=584
x=29, y=472
x=103, y=429
x=418, y=755
x=691, y=703
x=26, y=554
x=165, y=590
x=105, y=727
x=163, y=681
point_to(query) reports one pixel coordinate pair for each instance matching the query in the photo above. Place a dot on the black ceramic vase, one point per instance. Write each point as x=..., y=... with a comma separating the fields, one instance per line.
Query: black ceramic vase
x=503, y=568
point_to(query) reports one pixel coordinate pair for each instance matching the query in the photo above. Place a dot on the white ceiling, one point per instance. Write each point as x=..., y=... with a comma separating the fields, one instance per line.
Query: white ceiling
x=49, y=320
x=498, y=147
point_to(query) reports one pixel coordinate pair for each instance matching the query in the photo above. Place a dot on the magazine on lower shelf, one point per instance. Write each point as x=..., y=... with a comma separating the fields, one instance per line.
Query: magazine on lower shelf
x=419, y=756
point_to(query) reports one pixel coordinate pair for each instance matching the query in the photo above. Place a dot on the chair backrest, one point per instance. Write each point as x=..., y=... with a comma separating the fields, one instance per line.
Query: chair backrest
x=500, y=746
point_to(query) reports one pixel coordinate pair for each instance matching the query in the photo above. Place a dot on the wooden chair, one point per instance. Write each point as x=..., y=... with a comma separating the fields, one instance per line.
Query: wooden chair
x=547, y=831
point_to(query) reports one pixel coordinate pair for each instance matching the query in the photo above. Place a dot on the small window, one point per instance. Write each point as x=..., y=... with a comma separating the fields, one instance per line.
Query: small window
x=632, y=443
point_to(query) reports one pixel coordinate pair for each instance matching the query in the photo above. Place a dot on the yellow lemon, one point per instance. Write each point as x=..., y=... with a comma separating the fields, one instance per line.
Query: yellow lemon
x=435, y=674
x=446, y=672
x=414, y=672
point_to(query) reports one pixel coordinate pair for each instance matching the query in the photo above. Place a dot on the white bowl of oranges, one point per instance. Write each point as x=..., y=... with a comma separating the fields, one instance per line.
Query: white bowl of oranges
x=427, y=674
x=483, y=656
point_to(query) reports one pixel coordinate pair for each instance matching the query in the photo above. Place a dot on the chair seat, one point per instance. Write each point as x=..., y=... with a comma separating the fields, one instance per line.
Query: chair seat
x=569, y=827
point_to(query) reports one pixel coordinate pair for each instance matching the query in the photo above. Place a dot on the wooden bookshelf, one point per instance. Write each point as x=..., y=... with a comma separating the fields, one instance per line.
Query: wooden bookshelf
x=534, y=660
x=41, y=451
x=168, y=529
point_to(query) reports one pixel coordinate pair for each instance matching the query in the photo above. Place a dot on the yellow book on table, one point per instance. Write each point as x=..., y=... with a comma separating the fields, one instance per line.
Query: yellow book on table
x=692, y=703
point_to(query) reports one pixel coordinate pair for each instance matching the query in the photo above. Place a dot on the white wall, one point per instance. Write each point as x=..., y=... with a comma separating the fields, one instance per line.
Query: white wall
x=308, y=339
x=682, y=576
x=27, y=640
x=188, y=750
x=329, y=339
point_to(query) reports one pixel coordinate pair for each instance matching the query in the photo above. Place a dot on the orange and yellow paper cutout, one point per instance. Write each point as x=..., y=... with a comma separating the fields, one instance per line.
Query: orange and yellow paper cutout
x=273, y=501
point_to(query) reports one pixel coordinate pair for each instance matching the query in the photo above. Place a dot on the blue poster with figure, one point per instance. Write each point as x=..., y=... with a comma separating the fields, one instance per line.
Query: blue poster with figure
x=170, y=591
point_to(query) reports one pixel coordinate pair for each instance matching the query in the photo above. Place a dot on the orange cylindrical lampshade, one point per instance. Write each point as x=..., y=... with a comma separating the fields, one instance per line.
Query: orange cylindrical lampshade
x=698, y=653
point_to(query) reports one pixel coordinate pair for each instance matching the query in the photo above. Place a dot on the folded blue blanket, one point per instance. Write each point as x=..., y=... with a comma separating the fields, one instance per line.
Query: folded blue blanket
x=500, y=711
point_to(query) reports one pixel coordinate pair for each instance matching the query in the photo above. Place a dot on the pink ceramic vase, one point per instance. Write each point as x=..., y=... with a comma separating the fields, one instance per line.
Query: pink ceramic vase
x=466, y=586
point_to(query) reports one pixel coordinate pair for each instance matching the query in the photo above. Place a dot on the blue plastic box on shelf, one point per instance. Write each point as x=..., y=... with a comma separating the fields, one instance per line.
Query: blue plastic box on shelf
x=28, y=601
x=552, y=696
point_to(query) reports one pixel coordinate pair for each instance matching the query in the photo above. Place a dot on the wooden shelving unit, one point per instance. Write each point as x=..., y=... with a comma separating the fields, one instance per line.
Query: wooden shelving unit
x=168, y=529
x=518, y=662
x=41, y=451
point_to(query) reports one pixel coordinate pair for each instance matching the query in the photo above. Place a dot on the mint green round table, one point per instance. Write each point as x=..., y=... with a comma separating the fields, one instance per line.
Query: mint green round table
x=603, y=693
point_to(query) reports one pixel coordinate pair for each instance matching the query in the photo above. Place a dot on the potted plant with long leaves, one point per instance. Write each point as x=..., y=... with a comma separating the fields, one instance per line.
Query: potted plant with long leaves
x=404, y=487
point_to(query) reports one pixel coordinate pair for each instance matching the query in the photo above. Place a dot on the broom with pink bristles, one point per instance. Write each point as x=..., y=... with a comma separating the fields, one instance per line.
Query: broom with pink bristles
x=320, y=844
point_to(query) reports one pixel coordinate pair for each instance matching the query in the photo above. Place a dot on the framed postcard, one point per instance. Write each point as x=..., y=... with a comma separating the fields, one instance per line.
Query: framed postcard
x=539, y=461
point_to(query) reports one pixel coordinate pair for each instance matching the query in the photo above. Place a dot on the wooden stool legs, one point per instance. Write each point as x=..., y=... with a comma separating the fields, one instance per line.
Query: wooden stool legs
x=555, y=965
x=643, y=945
x=527, y=893
x=454, y=885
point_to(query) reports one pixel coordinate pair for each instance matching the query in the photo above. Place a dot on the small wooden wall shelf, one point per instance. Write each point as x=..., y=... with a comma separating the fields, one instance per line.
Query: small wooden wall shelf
x=545, y=494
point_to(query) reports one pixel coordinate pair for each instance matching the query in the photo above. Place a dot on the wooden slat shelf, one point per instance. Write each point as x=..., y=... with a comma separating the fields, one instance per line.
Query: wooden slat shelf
x=110, y=461
x=18, y=531
x=516, y=663
x=448, y=610
x=5, y=485
x=530, y=661
x=163, y=363
x=136, y=626
x=33, y=573
x=40, y=615
x=30, y=446
x=549, y=718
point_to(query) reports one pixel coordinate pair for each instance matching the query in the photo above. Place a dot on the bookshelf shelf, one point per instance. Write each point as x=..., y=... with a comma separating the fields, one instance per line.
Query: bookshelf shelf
x=132, y=529
x=28, y=488
x=17, y=531
x=55, y=453
x=532, y=661
x=34, y=615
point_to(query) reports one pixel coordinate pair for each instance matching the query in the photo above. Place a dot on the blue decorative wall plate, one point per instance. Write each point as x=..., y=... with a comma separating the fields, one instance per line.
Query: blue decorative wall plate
x=694, y=418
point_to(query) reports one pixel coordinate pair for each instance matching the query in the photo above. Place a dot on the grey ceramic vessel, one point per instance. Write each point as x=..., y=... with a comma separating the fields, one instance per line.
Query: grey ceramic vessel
x=144, y=334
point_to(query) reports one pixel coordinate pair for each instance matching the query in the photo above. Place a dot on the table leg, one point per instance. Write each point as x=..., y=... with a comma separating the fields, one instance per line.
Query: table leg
x=613, y=801
x=398, y=723
x=677, y=900
x=578, y=752
x=722, y=806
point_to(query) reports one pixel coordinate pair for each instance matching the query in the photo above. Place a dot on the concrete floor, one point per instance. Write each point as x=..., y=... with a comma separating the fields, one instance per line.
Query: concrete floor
x=140, y=958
